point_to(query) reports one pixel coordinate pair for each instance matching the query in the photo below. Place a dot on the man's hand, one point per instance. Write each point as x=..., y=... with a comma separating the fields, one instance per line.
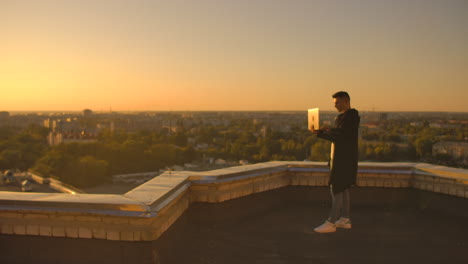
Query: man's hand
x=313, y=130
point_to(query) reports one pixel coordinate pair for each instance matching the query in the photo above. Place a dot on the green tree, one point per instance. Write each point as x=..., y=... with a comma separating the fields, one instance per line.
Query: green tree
x=11, y=158
x=189, y=154
x=163, y=155
x=320, y=151
x=179, y=139
x=423, y=147
x=89, y=171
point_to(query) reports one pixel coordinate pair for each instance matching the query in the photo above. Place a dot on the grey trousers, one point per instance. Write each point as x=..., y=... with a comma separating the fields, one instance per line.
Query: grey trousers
x=340, y=205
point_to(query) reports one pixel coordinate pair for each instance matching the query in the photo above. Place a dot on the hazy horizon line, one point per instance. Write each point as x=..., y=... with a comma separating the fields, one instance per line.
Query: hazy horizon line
x=300, y=110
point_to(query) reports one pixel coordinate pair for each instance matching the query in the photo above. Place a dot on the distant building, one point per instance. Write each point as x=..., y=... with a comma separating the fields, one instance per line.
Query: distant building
x=4, y=118
x=457, y=150
x=371, y=125
x=416, y=124
x=383, y=117
x=54, y=138
x=220, y=162
x=57, y=138
x=50, y=124
x=87, y=112
x=436, y=125
x=4, y=115
x=243, y=162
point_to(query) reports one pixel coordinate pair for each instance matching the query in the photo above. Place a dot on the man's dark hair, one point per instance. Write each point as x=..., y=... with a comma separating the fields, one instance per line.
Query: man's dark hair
x=341, y=94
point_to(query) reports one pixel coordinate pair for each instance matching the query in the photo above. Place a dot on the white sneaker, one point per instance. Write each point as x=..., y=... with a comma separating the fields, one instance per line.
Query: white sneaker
x=343, y=223
x=327, y=227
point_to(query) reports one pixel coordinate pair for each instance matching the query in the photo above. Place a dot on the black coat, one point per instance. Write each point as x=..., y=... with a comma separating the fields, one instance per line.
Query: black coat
x=344, y=159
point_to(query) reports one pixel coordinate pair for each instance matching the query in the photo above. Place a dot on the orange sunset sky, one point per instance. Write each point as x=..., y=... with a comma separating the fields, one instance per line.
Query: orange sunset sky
x=409, y=55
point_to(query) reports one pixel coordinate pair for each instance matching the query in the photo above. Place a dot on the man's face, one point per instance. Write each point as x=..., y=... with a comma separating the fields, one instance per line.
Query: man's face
x=340, y=103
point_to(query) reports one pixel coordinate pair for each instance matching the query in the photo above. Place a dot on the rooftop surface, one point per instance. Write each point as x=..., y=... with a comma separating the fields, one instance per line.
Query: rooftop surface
x=389, y=226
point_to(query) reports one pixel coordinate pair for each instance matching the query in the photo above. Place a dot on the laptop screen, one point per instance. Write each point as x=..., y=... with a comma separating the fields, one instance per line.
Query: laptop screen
x=313, y=118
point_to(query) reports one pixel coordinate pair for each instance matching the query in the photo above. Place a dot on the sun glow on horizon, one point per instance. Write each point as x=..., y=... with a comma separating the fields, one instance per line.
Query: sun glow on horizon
x=264, y=55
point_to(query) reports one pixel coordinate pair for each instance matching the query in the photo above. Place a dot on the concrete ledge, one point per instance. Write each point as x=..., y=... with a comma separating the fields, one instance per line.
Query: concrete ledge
x=218, y=191
x=238, y=172
x=146, y=212
x=442, y=171
x=52, y=203
x=160, y=190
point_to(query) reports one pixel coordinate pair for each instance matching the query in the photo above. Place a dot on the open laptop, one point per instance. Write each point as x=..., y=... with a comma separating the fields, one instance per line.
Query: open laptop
x=313, y=118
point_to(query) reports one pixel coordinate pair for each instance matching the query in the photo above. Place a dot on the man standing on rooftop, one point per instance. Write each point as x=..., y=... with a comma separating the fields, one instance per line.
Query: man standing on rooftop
x=343, y=161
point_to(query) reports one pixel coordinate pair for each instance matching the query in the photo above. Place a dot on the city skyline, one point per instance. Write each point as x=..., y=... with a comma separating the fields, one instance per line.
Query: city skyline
x=259, y=55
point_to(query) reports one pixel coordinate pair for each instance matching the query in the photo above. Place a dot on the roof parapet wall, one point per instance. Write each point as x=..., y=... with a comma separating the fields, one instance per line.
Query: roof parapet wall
x=147, y=211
